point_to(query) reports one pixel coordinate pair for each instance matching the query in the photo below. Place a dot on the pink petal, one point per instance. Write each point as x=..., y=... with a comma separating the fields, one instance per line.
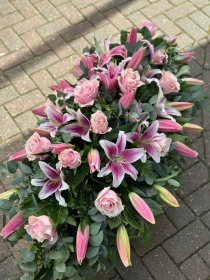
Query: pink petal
x=110, y=148
x=118, y=173
x=130, y=170
x=149, y=134
x=39, y=182
x=105, y=170
x=19, y=156
x=82, y=119
x=74, y=128
x=54, y=116
x=49, y=188
x=132, y=155
x=50, y=172
x=60, y=199
x=132, y=137
x=152, y=152
x=121, y=141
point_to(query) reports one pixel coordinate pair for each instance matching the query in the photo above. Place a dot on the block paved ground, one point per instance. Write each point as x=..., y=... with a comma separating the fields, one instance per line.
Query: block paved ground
x=39, y=41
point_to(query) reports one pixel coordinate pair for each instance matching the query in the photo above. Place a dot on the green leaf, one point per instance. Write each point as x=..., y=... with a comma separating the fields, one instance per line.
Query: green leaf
x=153, y=99
x=94, y=228
x=130, y=47
x=28, y=256
x=5, y=205
x=147, y=107
x=17, y=180
x=25, y=168
x=114, y=222
x=68, y=239
x=177, y=137
x=93, y=260
x=29, y=266
x=92, y=252
x=71, y=221
x=98, y=47
x=186, y=96
x=98, y=267
x=114, y=133
x=92, y=211
x=74, y=180
x=115, y=259
x=98, y=217
x=27, y=276
x=174, y=183
x=145, y=238
x=59, y=215
x=205, y=105
x=66, y=137
x=3, y=168
x=76, y=277
x=103, y=251
x=123, y=37
x=153, y=115
x=168, y=177
x=12, y=166
x=132, y=220
x=198, y=95
x=61, y=267
x=70, y=271
x=96, y=240
x=183, y=71
x=154, y=206
x=55, y=255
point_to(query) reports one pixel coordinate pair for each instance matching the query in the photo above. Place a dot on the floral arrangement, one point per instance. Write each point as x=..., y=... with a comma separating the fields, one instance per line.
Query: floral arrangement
x=104, y=158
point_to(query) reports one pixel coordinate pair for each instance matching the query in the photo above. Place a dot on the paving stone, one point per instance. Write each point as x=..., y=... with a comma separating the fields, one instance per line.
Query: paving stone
x=162, y=230
x=201, y=19
x=7, y=126
x=176, y=2
x=26, y=121
x=191, y=28
x=181, y=11
x=29, y=24
x=187, y=241
x=35, y=42
x=206, y=79
x=58, y=2
x=25, y=8
x=43, y=80
x=59, y=46
x=167, y=26
x=104, y=6
x=207, y=146
x=180, y=216
x=184, y=41
x=40, y=62
x=62, y=67
x=4, y=252
x=207, y=57
x=11, y=39
x=79, y=44
x=195, y=269
x=200, y=4
x=76, y=31
x=160, y=265
x=194, y=135
x=15, y=58
x=7, y=94
x=3, y=50
x=53, y=27
x=196, y=68
x=71, y=13
x=94, y=16
x=9, y=271
x=24, y=103
x=206, y=120
x=136, y=18
x=199, y=200
x=206, y=219
x=48, y=10
x=128, y=9
x=102, y=33
x=156, y=8
x=136, y=271
x=10, y=20
x=118, y=19
x=20, y=80
x=190, y=181
x=3, y=80
x=205, y=254
x=21, y=244
x=81, y=4
x=199, y=55
x=206, y=10
x=8, y=8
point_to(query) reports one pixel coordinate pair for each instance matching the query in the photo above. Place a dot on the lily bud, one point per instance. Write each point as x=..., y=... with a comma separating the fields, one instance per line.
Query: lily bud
x=19, y=156
x=58, y=148
x=192, y=81
x=136, y=59
x=190, y=127
x=180, y=106
x=187, y=56
x=171, y=39
x=41, y=132
x=7, y=194
x=184, y=150
x=39, y=111
x=127, y=99
x=13, y=225
x=82, y=243
x=94, y=160
x=141, y=207
x=169, y=126
x=132, y=38
x=166, y=196
x=123, y=245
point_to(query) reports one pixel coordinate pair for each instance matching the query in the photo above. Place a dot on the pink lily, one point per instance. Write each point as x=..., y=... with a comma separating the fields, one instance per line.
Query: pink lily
x=171, y=40
x=39, y=111
x=169, y=126
x=149, y=73
x=187, y=56
x=192, y=81
x=80, y=128
x=64, y=87
x=191, y=127
x=16, y=222
x=155, y=144
x=19, y=156
x=123, y=245
x=140, y=114
x=89, y=61
x=41, y=132
x=184, y=150
x=94, y=160
x=120, y=159
x=58, y=148
x=109, y=77
x=82, y=243
x=132, y=39
x=136, y=59
x=150, y=25
x=141, y=207
x=166, y=196
x=127, y=99
x=157, y=56
x=180, y=106
x=54, y=183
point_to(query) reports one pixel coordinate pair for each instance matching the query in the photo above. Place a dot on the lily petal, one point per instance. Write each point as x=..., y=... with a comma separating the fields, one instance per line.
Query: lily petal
x=121, y=141
x=39, y=182
x=60, y=199
x=149, y=134
x=152, y=152
x=132, y=155
x=110, y=148
x=130, y=170
x=50, y=172
x=82, y=119
x=49, y=188
x=105, y=170
x=118, y=173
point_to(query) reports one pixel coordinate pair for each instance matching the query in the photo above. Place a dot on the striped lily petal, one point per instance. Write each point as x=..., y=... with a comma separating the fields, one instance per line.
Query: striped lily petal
x=149, y=134
x=49, y=188
x=132, y=155
x=118, y=173
x=50, y=172
x=130, y=170
x=110, y=148
x=121, y=141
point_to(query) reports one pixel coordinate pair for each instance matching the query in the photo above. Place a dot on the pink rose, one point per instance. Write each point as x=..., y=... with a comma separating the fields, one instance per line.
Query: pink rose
x=129, y=80
x=108, y=203
x=150, y=25
x=99, y=123
x=41, y=228
x=161, y=144
x=86, y=92
x=69, y=158
x=36, y=145
x=169, y=82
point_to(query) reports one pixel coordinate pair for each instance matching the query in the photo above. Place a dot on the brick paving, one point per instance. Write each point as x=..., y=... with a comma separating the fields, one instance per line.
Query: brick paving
x=39, y=41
